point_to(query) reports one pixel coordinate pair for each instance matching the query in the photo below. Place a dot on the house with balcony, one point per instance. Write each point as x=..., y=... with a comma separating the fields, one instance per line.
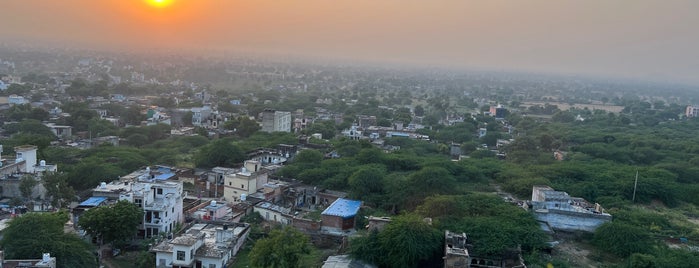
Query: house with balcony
x=153, y=191
x=202, y=245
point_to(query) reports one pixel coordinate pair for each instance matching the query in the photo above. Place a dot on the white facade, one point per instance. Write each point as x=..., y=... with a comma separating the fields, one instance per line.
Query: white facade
x=161, y=203
x=692, y=111
x=200, y=115
x=203, y=245
x=161, y=200
x=273, y=213
x=276, y=121
x=15, y=99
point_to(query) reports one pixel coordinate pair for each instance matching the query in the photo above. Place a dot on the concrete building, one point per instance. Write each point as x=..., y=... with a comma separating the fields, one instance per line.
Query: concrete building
x=203, y=245
x=200, y=115
x=60, y=131
x=692, y=111
x=16, y=99
x=563, y=212
x=27, y=154
x=498, y=111
x=273, y=213
x=238, y=186
x=160, y=199
x=276, y=121
x=457, y=254
x=344, y=261
x=46, y=261
x=353, y=133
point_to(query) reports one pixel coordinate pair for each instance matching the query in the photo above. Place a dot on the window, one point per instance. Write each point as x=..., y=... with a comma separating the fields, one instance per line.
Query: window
x=138, y=202
x=159, y=190
x=242, y=186
x=211, y=265
x=180, y=255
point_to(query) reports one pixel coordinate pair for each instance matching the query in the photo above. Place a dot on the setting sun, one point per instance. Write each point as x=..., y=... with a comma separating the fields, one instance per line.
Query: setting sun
x=159, y=3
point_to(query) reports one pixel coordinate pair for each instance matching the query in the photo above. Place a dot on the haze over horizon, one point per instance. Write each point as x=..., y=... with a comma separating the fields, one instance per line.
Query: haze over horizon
x=642, y=39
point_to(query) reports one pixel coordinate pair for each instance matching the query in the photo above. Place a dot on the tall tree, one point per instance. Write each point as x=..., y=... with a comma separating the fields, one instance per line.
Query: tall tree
x=281, y=249
x=114, y=224
x=33, y=234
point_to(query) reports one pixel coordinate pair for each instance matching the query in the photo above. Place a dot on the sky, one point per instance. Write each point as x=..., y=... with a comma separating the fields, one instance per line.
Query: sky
x=651, y=40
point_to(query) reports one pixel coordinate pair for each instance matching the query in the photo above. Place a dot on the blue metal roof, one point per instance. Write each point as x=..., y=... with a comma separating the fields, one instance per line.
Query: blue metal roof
x=93, y=201
x=344, y=208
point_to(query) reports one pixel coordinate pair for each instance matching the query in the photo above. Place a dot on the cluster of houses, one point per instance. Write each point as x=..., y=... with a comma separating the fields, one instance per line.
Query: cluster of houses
x=196, y=231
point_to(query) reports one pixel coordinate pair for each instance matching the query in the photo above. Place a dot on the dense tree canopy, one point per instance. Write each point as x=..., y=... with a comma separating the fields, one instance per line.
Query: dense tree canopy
x=281, y=249
x=33, y=234
x=115, y=224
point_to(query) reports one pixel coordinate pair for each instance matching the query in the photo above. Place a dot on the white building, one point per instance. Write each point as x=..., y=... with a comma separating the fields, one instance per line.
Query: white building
x=353, y=133
x=692, y=111
x=276, y=121
x=200, y=115
x=203, y=245
x=16, y=99
x=273, y=213
x=161, y=200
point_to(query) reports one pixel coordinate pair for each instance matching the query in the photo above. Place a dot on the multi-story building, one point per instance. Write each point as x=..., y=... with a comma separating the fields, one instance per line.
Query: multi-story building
x=200, y=115
x=203, y=245
x=692, y=111
x=160, y=199
x=241, y=184
x=276, y=121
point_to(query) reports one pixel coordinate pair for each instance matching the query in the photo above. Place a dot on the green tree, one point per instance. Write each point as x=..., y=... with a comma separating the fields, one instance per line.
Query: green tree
x=622, y=239
x=58, y=190
x=367, y=183
x=281, y=249
x=29, y=236
x=26, y=186
x=114, y=224
x=219, y=153
x=405, y=242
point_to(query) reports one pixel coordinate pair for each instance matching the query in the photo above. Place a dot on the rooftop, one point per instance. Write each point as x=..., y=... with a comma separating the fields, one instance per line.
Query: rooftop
x=344, y=208
x=93, y=201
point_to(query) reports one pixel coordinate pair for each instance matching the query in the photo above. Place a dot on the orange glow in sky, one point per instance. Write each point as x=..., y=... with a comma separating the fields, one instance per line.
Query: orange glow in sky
x=639, y=38
x=159, y=3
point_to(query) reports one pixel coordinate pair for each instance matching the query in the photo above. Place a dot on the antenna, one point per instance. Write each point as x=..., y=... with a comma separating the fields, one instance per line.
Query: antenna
x=633, y=199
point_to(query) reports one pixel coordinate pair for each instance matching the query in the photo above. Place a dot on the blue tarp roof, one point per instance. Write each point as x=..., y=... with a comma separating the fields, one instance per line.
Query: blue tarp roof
x=93, y=201
x=164, y=176
x=344, y=208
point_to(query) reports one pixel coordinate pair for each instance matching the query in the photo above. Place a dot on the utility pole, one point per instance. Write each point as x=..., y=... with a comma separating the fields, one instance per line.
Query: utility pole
x=633, y=199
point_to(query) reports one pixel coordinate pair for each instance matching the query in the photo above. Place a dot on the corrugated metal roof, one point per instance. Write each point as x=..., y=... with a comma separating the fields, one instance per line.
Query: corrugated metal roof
x=344, y=208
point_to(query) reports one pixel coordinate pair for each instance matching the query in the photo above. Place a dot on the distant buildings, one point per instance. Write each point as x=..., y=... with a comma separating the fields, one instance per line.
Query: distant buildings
x=15, y=99
x=276, y=121
x=498, y=111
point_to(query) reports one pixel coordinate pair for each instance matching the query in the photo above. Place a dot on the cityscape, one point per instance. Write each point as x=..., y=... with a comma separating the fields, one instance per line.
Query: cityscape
x=484, y=134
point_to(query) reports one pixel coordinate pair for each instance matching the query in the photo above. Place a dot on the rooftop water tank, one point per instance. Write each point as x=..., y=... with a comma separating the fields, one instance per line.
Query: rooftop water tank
x=42, y=163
